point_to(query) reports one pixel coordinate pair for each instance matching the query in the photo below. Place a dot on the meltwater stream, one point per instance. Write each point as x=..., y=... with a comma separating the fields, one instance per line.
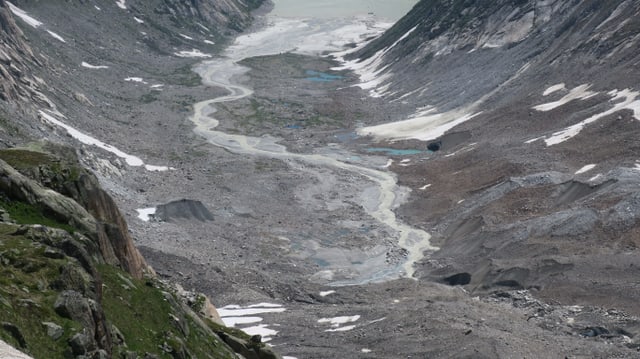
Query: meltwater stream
x=307, y=36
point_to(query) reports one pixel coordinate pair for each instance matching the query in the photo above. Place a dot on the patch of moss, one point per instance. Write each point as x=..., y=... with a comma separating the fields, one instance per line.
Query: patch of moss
x=26, y=299
x=28, y=160
x=24, y=213
x=146, y=318
x=23, y=159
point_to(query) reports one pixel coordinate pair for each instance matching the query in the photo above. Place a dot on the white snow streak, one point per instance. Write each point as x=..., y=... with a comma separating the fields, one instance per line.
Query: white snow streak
x=329, y=292
x=23, y=15
x=553, y=89
x=579, y=93
x=88, y=140
x=139, y=21
x=56, y=36
x=624, y=99
x=121, y=4
x=89, y=66
x=371, y=72
x=423, y=128
x=585, y=169
x=192, y=53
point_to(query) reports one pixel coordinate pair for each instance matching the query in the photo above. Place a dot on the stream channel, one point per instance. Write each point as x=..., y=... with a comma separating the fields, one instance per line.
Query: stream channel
x=312, y=36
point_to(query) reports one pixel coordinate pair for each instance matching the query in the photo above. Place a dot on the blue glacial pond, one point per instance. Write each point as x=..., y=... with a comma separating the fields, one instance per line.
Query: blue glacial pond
x=394, y=151
x=317, y=76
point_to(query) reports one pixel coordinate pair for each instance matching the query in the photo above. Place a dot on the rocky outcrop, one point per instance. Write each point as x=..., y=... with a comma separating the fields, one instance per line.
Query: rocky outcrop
x=15, y=56
x=229, y=14
x=86, y=205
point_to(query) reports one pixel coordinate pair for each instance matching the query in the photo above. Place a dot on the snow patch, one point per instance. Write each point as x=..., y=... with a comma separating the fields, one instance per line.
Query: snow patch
x=139, y=21
x=136, y=79
x=121, y=4
x=97, y=8
x=145, y=213
x=585, y=169
x=56, y=36
x=89, y=66
x=338, y=321
x=262, y=330
x=425, y=187
x=209, y=42
x=193, y=53
x=365, y=350
x=624, y=99
x=342, y=329
x=23, y=15
x=329, y=292
x=88, y=140
x=553, y=89
x=423, y=128
x=596, y=177
x=186, y=36
x=579, y=93
x=234, y=315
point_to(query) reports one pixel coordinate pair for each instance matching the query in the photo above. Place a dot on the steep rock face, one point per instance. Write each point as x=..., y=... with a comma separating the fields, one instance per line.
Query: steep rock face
x=15, y=56
x=444, y=45
x=231, y=14
x=77, y=199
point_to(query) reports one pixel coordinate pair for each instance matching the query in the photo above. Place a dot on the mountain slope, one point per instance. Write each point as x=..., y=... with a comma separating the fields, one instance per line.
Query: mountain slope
x=535, y=106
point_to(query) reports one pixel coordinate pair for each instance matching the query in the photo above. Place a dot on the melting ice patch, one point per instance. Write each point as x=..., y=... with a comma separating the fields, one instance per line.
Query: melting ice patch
x=579, y=93
x=23, y=15
x=553, y=89
x=337, y=322
x=145, y=213
x=423, y=128
x=193, y=53
x=56, y=36
x=329, y=292
x=621, y=100
x=89, y=66
x=238, y=316
x=136, y=79
x=88, y=140
x=586, y=168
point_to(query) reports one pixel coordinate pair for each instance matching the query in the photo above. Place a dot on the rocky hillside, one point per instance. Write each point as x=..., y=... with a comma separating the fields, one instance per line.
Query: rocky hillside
x=534, y=107
x=74, y=284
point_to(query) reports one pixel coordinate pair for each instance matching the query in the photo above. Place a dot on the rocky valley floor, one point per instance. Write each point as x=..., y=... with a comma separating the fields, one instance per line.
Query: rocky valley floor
x=289, y=245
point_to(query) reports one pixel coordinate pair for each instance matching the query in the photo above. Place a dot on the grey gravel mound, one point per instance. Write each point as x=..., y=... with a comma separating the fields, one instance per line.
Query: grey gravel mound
x=183, y=209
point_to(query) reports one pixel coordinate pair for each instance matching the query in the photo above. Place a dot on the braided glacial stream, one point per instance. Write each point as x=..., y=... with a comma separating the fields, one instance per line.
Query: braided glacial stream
x=282, y=37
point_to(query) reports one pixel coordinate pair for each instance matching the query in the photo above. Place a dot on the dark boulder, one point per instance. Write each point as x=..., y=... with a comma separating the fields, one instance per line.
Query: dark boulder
x=183, y=209
x=458, y=279
x=434, y=146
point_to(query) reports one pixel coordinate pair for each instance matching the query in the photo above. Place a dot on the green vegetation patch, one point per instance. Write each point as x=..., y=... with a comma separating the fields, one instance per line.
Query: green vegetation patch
x=25, y=160
x=145, y=316
x=26, y=298
x=24, y=213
